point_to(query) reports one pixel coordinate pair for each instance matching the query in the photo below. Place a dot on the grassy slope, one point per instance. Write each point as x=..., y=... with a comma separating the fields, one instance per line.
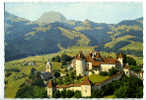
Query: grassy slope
x=134, y=46
x=115, y=41
x=97, y=78
x=13, y=84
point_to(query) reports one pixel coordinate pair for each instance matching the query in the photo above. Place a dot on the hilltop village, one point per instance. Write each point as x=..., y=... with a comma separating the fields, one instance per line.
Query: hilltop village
x=85, y=66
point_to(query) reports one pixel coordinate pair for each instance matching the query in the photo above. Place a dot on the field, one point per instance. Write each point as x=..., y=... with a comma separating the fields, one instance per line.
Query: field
x=97, y=78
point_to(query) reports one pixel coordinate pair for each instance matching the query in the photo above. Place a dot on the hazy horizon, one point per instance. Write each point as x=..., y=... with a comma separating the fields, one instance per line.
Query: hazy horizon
x=102, y=12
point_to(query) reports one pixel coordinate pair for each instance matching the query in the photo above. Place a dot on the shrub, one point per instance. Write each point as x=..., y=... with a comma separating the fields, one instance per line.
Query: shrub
x=56, y=59
x=112, y=71
x=103, y=73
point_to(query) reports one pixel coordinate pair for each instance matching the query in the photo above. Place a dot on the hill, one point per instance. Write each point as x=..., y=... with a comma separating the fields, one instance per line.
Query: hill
x=52, y=32
x=50, y=17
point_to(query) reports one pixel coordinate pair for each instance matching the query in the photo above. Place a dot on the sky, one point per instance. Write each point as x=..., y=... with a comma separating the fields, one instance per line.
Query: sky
x=108, y=12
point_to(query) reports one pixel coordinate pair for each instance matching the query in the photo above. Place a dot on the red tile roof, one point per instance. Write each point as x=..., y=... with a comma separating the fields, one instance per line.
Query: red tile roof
x=50, y=84
x=110, y=61
x=98, y=63
x=68, y=85
x=121, y=56
x=80, y=56
x=84, y=82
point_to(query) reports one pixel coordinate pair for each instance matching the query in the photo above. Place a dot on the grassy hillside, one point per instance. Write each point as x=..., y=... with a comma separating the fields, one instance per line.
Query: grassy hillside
x=134, y=46
x=24, y=38
x=17, y=72
x=116, y=40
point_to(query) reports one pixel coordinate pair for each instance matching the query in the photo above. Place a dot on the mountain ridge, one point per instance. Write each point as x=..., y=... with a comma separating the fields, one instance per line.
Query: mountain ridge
x=31, y=38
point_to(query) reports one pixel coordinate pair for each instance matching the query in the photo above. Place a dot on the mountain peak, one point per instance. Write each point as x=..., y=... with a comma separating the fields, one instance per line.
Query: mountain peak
x=50, y=17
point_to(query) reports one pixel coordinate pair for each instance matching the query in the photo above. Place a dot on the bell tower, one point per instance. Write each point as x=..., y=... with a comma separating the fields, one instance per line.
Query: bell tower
x=48, y=67
x=120, y=59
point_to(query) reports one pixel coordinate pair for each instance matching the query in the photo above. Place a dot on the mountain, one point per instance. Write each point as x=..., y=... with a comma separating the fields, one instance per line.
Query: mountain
x=52, y=32
x=50, y=17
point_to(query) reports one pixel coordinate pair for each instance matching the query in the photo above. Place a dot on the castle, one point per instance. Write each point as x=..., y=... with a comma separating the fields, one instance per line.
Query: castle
x=93, y=63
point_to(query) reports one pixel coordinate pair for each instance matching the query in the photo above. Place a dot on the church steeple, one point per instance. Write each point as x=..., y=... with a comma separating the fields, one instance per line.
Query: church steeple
x=48, y=67
x=120, y=59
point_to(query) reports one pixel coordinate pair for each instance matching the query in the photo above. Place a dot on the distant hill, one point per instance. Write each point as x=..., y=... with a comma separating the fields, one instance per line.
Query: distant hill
x=50, y=17
x=52, y=32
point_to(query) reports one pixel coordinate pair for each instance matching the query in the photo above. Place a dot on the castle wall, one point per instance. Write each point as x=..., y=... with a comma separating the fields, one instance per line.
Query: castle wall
x=106, y=67
x=50, y=92
x=86, y=90
x=100, y=85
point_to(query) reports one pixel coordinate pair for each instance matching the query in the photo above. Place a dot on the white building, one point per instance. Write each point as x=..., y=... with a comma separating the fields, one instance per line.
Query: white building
x=84, y=87
x=93, y=63
x=48, y=67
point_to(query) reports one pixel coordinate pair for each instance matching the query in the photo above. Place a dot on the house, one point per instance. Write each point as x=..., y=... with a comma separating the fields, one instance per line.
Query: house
x=84, y=87
x=93, y=63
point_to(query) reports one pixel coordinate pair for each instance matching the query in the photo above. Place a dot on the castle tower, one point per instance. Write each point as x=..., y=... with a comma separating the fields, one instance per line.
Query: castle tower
x=120, y=59
x=80, y=64
x=48, y=67
x=86, y=87
x=50, y=89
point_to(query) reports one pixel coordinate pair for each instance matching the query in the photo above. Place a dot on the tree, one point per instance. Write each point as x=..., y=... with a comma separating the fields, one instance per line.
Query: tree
x=103, y=73
x=57, y=74
x=65, y=58
x=135, y=68
x=130, y=61
x=56, y=59
x=130, y=88
x=77, y=94
x=112, y=71
x=57, y=94
x=31, y=92
x=97, y=94
x=122, y=92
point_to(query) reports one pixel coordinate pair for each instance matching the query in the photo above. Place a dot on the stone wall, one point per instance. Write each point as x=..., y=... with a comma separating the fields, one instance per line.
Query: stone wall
x=109, y=80
x=50, y=92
